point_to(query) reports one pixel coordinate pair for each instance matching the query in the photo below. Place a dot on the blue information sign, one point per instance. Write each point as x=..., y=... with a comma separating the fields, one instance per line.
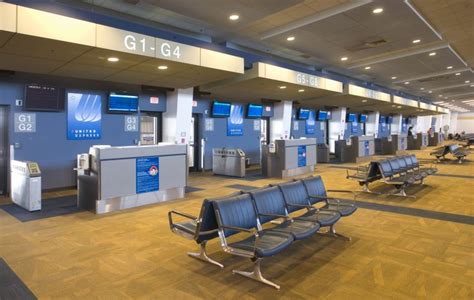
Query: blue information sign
x=366, y=148
x=301, y=156
x=311, y=123
x=235, y=123
x=84, y=114
x=147, y=174
x=354, y=127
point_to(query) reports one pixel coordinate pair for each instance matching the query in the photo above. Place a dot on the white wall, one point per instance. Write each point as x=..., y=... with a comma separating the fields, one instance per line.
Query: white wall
x=372, y=125
x=465, y=122
x=337, y=124
x=423, y=123
x=396, y=126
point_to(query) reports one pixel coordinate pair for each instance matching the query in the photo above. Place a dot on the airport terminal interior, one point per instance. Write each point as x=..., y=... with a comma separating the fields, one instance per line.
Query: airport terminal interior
x=252, y=149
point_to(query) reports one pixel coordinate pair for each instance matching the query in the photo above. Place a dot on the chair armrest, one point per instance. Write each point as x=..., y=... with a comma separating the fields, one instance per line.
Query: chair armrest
x=275, y=215
x=185, y=215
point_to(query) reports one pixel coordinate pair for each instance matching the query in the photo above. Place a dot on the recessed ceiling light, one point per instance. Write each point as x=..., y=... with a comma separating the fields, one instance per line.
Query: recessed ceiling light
x=344, y=58
x=432, y=54
x=449, y=67
x=440, y=95
x=416, y=41
x=162, y=67
x=422, y=89
x=367, y=68
x=365, y=100
x=394, y=77
x=113, y=59
x=282, y=87
x=399, y=106
x=430, y=92
x=393, y=105
x=234, y=17
x=457, y=74
x=472, y=85
x=467, y=81
x=290, y=38
x=301, y=90
x=407, y=82
x=377, y=10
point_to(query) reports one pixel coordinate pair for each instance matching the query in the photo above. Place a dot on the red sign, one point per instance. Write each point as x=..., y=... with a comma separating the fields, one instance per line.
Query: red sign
x=154, y=100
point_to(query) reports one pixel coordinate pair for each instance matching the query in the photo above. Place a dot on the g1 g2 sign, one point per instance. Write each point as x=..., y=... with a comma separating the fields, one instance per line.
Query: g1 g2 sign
x=235, y=123
x=84, y=114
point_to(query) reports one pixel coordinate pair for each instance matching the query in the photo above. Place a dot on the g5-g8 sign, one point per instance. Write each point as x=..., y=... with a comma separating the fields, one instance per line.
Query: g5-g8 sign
x=306, y=79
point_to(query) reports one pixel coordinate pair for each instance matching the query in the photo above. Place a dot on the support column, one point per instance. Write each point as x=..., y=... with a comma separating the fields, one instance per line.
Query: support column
x=396, y=126
x=372, y=125
x=280, y=123
x=177, y=118
x=337, y=125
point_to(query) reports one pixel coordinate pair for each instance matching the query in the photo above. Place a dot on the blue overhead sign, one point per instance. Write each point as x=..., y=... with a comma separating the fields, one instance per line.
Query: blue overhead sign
x=235, y=123
x=147, y=174
x=84, y=114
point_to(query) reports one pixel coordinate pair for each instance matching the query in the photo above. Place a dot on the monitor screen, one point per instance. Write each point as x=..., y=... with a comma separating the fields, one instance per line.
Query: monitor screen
x=122, y=103
x=363, y=118
x=220, y=109
x=389, y=119
x=322, y=115
x=303, y=114
x=351, y=117
x=44, y=98
x=254, y=111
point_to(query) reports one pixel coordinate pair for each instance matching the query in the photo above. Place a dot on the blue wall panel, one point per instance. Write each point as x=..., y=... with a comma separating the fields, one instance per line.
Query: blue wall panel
x=300, y=132
x=348, y=132
x=49, y=145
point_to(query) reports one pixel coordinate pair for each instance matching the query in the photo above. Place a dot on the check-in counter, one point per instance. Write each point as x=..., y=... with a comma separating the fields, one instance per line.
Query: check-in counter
x=399, y=142
x=289, y=158
x=384, y=146
x=413, y=142
x=356, y=149
x=131, y=176
x=435, y=139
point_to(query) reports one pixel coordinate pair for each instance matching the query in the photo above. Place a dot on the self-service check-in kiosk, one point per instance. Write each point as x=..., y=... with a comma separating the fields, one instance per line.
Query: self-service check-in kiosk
x=228, y=162
x=323, y=153
x=399, y=142
x=288, y=158
x=26, y=184
x=435, y=139
x=384, y=146
x=413, y=142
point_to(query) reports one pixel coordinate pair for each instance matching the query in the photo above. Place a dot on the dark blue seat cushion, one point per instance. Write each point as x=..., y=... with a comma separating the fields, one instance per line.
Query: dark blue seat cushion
x=188, y=227
x=294, y=193
x=236, y=211
x=324, y=218
x=269, y=243
x=299, y=229
x=269, y=201
x=345, y=209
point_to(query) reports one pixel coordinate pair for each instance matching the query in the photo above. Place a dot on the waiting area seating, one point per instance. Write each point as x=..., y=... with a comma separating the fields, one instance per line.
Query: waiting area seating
x=263, y=222
x=455, y=150
x=399, y=171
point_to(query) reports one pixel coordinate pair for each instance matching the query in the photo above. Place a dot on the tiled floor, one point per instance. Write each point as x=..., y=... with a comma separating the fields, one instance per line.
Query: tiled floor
x=133, y=254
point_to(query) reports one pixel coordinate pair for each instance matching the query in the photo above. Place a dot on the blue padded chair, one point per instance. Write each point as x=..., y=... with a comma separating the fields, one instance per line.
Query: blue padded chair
x=391, y=178
x=317, y=193
x=237, y=214
x=297, y=198
x=428, y=170
x=200, y=229
x=271, y=205
x=365, y=175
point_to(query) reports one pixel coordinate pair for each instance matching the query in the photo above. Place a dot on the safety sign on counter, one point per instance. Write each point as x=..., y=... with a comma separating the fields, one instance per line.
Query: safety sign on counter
x=301, y=156
x=147, y=174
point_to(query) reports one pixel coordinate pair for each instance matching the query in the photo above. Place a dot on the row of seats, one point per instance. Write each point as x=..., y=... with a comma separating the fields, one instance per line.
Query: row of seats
x=455, y=150
x=272, y=218
x=400, y=171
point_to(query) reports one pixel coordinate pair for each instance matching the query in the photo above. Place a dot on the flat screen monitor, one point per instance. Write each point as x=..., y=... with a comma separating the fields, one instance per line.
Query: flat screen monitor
x=303, y=114
x=389, y=119
x=44, y=98
x=322, y=115
x=122, y=103
x=254, y=111
x=220, y=109
x=363, y=118
x=351, y=117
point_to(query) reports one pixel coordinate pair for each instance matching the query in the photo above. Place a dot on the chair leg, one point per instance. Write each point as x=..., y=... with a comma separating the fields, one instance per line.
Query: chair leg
x=365, y=189
x=401, y=192
x=202, y=255
x=332, y=233
x=256, y=274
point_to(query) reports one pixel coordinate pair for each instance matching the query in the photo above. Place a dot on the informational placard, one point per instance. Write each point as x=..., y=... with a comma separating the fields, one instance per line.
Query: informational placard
x=209, y=124
x=235, y=123
x=131, y=123
x=311, y=123
x=147, y=174
x=25, y=122
x=84, y=114
x=256, y=125
x=296, y=125
x=301, y=156
x=354, y=127
x=366, y=148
